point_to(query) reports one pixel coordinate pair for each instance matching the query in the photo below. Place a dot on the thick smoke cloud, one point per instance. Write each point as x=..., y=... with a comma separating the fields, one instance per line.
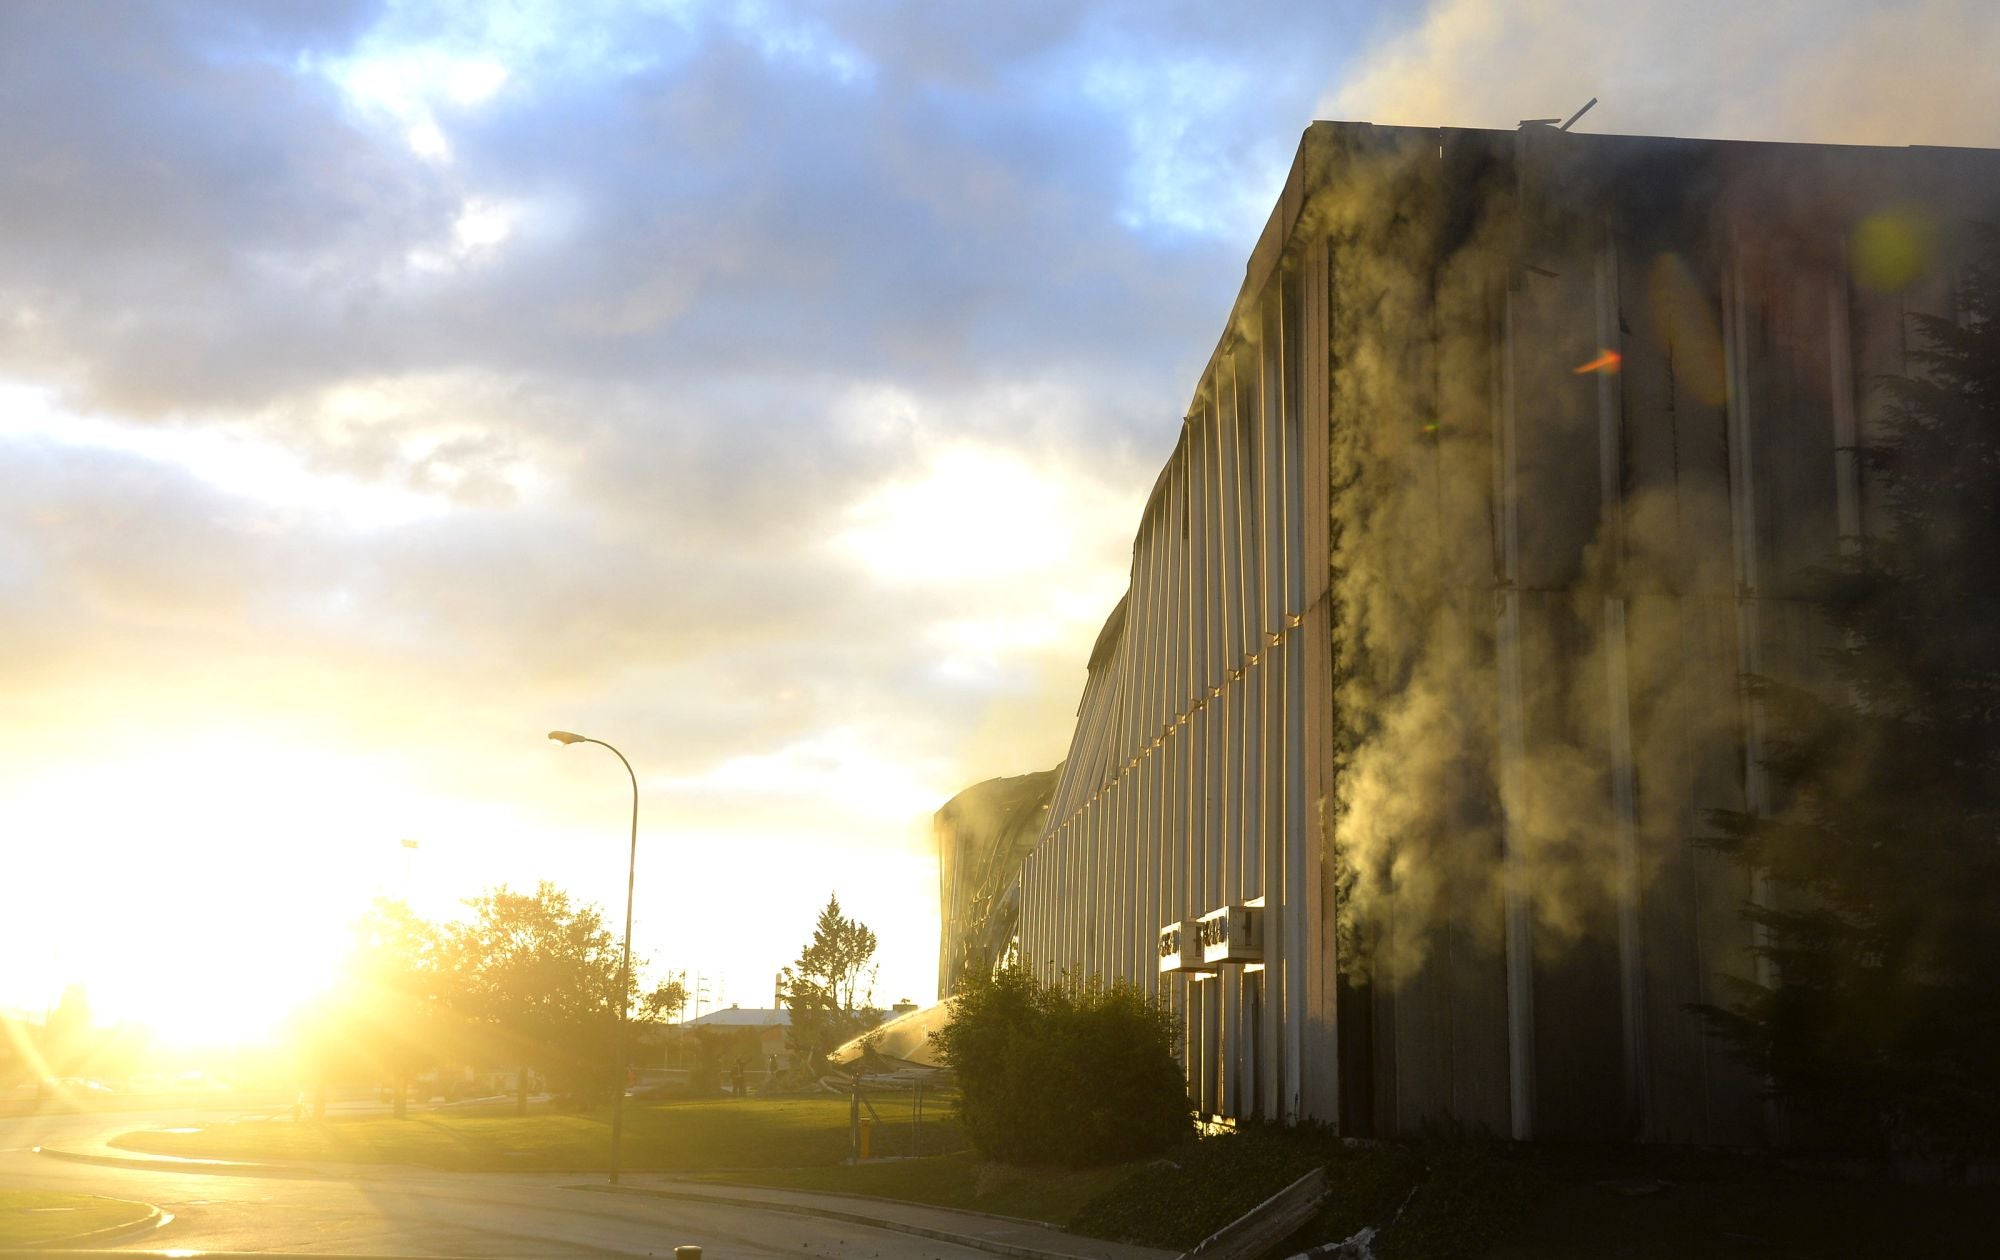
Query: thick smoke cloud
x=1825, y=71
x=1452, y=798
x=1418, y=824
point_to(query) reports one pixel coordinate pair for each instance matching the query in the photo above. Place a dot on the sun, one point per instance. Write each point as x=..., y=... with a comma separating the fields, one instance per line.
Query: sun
x=202, y=890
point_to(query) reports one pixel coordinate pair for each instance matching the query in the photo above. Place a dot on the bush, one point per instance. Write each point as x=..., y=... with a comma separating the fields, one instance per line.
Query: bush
x=1064, y=1074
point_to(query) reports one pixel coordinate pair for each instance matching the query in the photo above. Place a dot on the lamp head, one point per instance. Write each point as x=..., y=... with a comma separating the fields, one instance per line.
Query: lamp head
x=564, y=737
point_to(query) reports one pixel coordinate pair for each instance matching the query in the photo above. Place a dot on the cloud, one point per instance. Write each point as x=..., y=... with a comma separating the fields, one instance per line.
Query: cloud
x=385, y=384
x=774, y=392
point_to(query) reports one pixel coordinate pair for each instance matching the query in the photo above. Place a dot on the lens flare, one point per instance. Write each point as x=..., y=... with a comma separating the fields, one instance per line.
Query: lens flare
x=1606, y=361
x=1891, y=248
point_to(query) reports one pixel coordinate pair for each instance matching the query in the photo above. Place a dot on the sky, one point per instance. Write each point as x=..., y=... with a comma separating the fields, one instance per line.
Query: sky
x=770, y=391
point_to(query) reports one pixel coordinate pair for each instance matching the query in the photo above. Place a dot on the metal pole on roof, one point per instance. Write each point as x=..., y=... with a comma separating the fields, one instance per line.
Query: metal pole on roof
x=1578, y=114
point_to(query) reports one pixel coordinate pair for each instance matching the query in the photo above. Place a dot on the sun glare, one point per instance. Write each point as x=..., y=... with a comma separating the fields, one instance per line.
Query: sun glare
x=201, y=890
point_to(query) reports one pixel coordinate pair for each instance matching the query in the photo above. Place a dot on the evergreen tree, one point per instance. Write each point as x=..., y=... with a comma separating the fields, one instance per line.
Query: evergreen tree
x=830, y=989
x=1881, y=1024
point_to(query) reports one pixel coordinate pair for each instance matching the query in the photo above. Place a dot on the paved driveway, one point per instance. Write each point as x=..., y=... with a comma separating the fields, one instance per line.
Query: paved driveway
x=423, y=1213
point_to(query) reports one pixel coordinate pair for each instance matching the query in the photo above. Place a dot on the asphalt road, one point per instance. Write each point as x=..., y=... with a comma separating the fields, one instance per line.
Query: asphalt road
x=420, y=1213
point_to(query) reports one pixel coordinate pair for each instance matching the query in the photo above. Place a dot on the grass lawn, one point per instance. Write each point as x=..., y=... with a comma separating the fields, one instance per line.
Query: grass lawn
x=1054, y=1195
x=671, y=1136
x=31, y=1217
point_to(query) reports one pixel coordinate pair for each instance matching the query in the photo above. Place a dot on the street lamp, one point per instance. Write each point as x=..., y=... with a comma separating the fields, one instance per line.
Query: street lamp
x=625, y=967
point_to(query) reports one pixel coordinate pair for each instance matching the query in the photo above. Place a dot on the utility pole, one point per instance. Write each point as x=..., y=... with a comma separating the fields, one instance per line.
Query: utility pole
x=621, y=1062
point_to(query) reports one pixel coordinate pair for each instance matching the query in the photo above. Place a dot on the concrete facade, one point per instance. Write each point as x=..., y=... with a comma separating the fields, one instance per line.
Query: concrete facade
x=1496, y=489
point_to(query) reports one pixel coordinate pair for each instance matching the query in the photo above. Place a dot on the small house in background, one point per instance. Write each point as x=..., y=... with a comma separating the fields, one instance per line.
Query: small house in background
x=768, y=1025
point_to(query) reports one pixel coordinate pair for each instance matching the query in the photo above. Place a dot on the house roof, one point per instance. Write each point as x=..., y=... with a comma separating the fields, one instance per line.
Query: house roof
x=743, y=1017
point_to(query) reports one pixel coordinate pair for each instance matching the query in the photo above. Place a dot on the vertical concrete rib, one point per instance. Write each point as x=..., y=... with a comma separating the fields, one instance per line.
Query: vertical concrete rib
x=1220, y=883
x=1062, y=924
x=1172, y=800
x=1133, y=809
x=1840, y=389
x=1134, y=818
x=1141, y=917
x=1314, y=685
x=1516, y=907
x=1106, y=827
x=1215, y=837
x=1194, y=856
x=1293, y=893
x=1077, y=908
x=1249, y=854
x=1618, y=719
x=1271, y=1068
x=1146, y=917
x=1738, y=414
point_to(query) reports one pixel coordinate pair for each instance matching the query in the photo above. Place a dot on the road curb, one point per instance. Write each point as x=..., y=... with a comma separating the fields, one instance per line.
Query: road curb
x=153, y=1219
x=855, y=1218
x=880, y=1198
x=213, y=1167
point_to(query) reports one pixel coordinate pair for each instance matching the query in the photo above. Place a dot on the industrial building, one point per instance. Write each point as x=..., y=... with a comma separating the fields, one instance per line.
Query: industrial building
x=1498, y=486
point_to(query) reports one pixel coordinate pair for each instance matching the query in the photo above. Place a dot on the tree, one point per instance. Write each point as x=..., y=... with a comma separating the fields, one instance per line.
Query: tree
x=386, y=1019
x=830, y=989
x=666, y=1002
x=1060, y=1074
x=1883, y=852
x=658, y=1008
x=540, y=976
x=530, y=979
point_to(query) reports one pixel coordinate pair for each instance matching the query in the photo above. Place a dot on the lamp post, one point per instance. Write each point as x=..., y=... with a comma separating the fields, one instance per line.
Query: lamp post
x=624, y=967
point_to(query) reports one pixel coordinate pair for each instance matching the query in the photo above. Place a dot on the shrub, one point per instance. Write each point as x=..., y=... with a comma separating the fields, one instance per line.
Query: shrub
x=1071, y=1074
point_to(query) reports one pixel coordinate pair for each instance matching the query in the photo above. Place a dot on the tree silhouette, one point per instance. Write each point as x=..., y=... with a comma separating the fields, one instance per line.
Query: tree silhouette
x=666, y=1002
x=387, y=1018
x=1882, y=1023
x=830, y=989
x=539, y=975
x=530, y=980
